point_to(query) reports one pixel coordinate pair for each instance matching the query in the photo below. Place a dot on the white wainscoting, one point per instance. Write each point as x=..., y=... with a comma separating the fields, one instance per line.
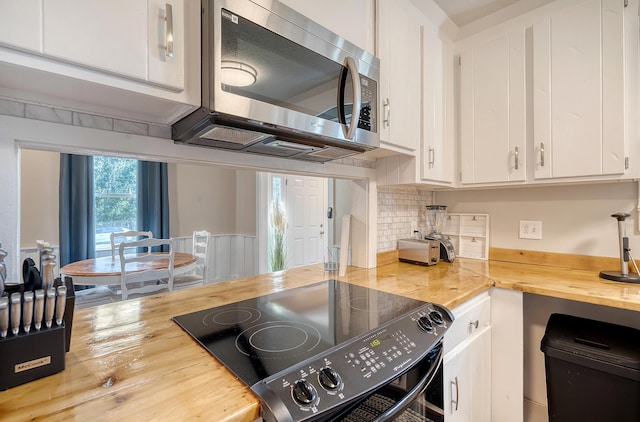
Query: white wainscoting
x=230, y=256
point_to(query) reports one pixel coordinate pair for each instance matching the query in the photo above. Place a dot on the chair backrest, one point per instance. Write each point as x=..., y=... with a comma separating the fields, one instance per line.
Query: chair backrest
x=201, y=251
x=126, y=236
x=146, y=266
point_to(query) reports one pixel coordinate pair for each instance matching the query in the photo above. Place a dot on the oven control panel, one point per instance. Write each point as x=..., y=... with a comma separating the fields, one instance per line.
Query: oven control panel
x=353, y=369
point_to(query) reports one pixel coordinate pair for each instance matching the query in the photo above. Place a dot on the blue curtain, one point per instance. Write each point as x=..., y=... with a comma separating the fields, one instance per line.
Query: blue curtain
x=76, y=212
x=153, y=199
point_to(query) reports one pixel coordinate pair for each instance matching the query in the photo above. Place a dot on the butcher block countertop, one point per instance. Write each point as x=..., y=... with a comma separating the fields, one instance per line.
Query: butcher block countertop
x=129, y=361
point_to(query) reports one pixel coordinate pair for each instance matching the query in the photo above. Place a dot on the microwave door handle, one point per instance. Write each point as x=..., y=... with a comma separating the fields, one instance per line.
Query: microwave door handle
x=357, y=99
x=393, y=412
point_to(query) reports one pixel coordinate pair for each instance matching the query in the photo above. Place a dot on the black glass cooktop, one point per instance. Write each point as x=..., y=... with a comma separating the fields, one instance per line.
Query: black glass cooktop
x=256, y=338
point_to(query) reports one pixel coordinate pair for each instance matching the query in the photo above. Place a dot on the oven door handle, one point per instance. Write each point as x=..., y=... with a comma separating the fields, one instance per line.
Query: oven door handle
x=393, y=412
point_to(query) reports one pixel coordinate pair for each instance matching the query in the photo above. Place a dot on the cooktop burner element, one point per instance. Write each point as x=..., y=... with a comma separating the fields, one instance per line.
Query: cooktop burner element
x=334, y=337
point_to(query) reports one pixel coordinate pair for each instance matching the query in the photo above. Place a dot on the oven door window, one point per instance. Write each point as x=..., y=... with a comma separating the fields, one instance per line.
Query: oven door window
x=262, y=65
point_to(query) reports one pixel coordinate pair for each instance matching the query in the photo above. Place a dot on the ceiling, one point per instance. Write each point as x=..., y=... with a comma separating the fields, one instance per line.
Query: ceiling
x=463, y=12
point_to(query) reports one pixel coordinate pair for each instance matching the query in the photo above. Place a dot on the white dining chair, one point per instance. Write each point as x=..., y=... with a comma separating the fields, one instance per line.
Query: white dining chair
x=200, y=250
x=126, y=236
x=150, y=270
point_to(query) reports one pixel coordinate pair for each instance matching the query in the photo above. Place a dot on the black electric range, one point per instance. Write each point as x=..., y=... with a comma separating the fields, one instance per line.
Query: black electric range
x=310, y=349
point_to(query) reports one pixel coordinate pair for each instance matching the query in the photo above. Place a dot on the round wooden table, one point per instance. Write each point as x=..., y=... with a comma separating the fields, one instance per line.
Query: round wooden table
x=106, y=270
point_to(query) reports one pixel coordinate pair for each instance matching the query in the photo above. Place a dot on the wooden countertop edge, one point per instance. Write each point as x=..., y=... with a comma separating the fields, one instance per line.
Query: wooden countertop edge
x=564, y=276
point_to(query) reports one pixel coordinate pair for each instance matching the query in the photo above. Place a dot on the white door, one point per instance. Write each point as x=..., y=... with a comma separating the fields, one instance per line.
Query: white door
x=306, y=205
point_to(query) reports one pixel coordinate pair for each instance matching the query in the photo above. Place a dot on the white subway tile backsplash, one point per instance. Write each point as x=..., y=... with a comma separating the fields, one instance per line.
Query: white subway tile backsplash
x=160, y=131
x=48, y=114
x=399, y=211
x=89, y=120
x=130, y=127
x=12, y=108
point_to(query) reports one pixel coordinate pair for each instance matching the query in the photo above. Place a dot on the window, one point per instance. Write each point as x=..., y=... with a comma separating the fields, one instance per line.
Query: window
x=115, y=190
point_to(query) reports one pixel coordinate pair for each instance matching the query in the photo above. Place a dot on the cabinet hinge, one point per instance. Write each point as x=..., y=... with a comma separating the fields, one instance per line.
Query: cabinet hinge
x=626, y=163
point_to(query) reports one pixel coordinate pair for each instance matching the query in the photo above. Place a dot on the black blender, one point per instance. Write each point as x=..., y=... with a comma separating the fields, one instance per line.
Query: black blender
x=437, y=220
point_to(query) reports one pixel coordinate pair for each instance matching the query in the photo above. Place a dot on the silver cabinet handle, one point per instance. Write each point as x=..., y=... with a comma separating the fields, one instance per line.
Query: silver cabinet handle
x=516, y=158
x=387, y=111
x=454, y=383
x=541, y=154
x=357, y=99
x=473, y=325
x=169, y=30
x=432, y=157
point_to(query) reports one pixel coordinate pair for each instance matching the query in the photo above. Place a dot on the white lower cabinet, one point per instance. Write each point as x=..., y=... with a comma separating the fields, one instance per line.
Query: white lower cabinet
x=483, y=361
x=467, y=362
x=467, y=379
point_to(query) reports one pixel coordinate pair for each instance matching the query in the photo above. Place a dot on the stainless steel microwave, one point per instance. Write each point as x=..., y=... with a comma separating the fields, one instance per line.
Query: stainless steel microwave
x=274, y=82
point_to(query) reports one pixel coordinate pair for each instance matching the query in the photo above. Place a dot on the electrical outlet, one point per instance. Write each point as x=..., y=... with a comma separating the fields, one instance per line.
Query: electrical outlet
x=530, y=229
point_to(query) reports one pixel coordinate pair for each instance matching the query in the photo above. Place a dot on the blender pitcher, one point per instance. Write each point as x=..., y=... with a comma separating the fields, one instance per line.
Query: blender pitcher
x=437, y=221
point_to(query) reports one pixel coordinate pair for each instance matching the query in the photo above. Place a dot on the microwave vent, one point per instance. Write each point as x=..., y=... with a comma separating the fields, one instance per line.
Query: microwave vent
x=236, y=136
x=333, y=153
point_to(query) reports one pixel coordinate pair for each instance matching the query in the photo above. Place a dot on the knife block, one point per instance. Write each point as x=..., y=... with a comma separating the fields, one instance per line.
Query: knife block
x=29, y=356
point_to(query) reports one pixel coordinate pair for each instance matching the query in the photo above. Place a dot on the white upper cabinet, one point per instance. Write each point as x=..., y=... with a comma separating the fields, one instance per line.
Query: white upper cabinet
x=493, y=109
x=120, y=58
x=579, y=90
x=399, y=49
x=138, y=39
x=110, y=36
x=165, y=43
x=437, y=149
x=20, y=24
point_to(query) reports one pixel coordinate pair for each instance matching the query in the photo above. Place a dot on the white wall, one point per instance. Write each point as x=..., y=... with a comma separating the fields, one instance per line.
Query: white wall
x=575, y=219
x=39, y=176
x=218, y=199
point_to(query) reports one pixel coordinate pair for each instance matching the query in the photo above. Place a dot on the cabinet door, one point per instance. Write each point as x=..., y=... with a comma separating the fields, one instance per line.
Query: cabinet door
x=398, y=34
x=166, y=60
x=467, y=380
x=20, y=24
x=578, y=76
x=492, y=109
x=107, y=35
x=437, y=135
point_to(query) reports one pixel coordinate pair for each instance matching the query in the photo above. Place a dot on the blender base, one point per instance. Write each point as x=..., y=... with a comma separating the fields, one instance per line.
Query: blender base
x=617, y=276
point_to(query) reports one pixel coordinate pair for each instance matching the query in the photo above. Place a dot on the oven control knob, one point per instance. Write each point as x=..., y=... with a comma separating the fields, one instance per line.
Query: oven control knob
x=329, y=378
x=304, y=392
x=436, y=318
x=425, y=324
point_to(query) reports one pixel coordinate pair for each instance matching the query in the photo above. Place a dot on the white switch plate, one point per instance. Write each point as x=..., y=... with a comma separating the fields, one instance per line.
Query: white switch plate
x=530, y=229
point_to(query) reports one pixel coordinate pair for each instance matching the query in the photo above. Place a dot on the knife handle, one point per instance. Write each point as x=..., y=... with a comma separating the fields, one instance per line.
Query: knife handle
x=27, y=311
x=16, y=299
x=4, y=316
x=39, y=308
x=49, y=306
x=61, y=302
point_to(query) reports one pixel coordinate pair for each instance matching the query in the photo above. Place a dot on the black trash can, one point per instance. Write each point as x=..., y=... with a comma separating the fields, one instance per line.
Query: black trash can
x=592, y=369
